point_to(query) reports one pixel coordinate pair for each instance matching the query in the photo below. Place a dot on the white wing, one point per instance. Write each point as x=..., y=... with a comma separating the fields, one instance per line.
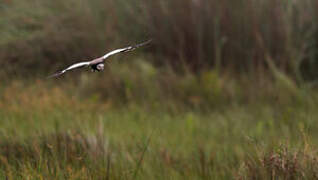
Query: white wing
x=130, y=48
x=116, y=52
x=100, y=60
x=74, y=66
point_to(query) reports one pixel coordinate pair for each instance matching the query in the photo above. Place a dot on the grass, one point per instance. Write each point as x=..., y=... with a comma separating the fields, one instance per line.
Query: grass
x=71, y=129
x=69, y=143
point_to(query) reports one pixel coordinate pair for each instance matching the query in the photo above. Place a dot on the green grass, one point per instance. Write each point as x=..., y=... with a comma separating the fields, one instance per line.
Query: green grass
x=207, y=126
x=65, y=142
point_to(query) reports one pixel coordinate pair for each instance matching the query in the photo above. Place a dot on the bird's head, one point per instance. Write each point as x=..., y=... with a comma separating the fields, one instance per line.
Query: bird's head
x=100, y=67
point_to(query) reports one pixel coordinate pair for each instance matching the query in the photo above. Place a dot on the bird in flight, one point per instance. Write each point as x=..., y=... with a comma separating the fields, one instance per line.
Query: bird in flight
x=98, y=63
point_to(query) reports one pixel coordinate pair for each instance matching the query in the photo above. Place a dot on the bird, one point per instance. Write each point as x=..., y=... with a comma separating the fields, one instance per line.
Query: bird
x=97, y=64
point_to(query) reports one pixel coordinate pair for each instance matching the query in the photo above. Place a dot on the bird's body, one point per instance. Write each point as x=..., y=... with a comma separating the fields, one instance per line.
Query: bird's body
x=98, y=63
x=97, y=67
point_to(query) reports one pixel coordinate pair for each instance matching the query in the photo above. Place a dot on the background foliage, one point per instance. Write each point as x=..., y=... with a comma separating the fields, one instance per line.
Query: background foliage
x=196, y=34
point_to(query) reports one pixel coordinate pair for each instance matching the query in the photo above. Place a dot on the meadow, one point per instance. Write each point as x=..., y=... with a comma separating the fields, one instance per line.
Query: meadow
x=227, y=90
x=67, y=130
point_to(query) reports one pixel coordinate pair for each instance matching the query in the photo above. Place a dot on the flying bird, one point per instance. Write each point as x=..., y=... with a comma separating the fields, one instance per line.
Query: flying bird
x=98, y=63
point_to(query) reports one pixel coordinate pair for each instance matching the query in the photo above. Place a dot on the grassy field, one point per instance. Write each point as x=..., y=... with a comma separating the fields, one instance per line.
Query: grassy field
x=64, y=129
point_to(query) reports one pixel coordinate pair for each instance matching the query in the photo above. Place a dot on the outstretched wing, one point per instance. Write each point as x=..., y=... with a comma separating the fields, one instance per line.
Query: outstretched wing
x=74, y=66
x=101, y=59
x=130, y=48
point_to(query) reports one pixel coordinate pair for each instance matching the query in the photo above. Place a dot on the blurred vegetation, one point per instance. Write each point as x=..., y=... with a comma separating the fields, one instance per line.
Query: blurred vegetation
x=135, y=121
x=227, y=90
x=55, y=132
x=192, y=34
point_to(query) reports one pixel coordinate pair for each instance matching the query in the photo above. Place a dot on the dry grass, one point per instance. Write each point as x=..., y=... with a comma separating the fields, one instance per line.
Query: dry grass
x=178, y=127
x=282, y=163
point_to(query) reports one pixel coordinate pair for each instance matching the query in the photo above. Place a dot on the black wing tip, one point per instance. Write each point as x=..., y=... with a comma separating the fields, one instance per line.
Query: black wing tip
x=133, y=47
x=55, y=75
x=144, y=43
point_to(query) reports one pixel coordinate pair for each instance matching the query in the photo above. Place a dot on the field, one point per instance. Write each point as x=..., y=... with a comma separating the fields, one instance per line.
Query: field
x=69, y=131
x=227, y=90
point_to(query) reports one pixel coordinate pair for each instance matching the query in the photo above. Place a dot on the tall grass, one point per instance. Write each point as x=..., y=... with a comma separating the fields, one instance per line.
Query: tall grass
x=53, y=132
